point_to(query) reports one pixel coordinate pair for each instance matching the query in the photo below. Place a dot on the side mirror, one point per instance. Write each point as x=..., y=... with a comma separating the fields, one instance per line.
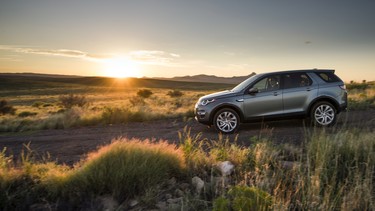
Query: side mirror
x=253, y=91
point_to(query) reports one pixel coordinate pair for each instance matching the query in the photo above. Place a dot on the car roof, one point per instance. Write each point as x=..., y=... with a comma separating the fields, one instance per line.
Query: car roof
x=298, y=71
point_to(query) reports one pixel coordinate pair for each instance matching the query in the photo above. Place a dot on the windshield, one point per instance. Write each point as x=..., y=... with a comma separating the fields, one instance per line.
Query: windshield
x=244, y=84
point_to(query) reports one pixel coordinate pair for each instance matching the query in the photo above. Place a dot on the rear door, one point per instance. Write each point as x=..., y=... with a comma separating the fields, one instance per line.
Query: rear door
x=267, y=102
x=298, y=91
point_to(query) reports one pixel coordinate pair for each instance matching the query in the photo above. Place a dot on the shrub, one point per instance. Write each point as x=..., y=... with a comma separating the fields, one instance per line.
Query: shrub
x=126, y=168
x=37, y=104
x=145, y=93
x=137, y=101
x=27, y=113
x=249, y=198
x=68, y=101
x=175, y=93
x=5, y=108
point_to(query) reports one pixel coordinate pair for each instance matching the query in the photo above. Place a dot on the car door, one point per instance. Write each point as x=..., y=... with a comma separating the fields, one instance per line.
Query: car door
x=266, y=101
x=298, y=91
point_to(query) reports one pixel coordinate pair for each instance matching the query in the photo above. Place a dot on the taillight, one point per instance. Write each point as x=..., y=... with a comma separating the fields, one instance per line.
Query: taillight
x=343, y=87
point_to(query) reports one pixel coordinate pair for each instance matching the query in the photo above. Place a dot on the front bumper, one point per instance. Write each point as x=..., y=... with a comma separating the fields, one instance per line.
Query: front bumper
x=202, y=116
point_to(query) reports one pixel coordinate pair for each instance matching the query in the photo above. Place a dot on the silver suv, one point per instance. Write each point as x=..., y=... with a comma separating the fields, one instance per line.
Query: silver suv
x=318, y=94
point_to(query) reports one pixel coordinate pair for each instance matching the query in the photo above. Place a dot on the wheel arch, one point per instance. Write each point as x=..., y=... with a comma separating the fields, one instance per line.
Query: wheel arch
x=231, y=106
x=324, y=99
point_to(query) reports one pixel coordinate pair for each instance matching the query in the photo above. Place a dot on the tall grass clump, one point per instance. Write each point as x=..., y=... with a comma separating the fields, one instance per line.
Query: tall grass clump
x=335, y=171
x=29, y=182
x=341, y=169
x=125, y=169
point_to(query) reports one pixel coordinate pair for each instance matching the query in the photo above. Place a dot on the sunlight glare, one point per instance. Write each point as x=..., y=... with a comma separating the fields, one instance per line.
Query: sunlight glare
x=121, y=67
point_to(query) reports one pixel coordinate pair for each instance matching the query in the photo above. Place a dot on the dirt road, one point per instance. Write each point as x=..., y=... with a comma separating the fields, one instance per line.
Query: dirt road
x=70, y=145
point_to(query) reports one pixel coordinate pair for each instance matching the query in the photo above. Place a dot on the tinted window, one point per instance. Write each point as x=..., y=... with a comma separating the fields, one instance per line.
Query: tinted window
x=328, y=77
x=294, y=80
x=268, y=83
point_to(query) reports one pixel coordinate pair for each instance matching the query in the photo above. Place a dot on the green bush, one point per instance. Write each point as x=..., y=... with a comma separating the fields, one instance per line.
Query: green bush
x=5, y=108
x=125, y=169
x=145, y=93
x=249, y=198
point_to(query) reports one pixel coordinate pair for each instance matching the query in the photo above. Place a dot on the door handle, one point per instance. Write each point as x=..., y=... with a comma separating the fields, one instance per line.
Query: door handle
x=308, y=89
x=275, y=94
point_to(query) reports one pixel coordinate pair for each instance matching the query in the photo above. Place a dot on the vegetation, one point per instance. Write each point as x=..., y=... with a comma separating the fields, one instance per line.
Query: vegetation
x=144, y=93
x=175, y=93
x=361, y=96
x=328, y=172
x=68, y=101
x=5, y=108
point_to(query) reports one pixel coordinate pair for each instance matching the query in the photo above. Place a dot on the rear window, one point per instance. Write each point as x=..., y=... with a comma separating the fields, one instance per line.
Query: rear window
x=328, y=77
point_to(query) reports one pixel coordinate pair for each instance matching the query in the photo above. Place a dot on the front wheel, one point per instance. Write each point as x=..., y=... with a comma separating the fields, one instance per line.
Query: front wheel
x=323, y=114
x=226, y=120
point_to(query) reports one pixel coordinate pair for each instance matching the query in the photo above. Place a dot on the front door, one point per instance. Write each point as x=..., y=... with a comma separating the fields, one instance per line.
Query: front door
x=267, y=101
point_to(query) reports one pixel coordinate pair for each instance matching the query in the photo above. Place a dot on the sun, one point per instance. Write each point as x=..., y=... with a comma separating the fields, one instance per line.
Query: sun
x=121, y=67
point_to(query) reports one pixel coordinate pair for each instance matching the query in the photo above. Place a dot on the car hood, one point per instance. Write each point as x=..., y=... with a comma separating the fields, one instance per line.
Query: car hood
x=218, y=95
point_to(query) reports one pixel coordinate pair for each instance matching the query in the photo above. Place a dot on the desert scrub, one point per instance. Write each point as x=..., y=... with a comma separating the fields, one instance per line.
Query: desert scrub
x=68, y=101
x=361, y=96
x=5, y=108
x=127, y=168
x=144, y=93
x=175, y=93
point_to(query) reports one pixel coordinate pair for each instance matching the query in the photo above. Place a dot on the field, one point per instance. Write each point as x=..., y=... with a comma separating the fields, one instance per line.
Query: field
x=97, y=143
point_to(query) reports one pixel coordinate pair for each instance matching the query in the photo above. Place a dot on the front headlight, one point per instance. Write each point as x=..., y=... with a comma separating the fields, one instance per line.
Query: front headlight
x=206, y=101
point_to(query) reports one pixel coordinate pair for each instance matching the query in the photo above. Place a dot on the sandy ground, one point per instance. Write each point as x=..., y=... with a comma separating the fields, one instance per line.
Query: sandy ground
x=70, y=145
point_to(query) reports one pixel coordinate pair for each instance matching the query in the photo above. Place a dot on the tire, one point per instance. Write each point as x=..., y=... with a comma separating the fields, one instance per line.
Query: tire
x=323, y=114
x=226, y=120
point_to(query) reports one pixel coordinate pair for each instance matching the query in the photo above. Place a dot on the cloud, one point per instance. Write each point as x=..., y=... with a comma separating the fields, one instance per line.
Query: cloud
x=152, y=57
x=54, y=52
x=148, y=57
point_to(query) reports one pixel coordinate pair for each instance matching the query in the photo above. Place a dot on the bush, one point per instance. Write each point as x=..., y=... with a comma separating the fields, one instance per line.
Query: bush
x=6, y=109
x=145, y=93
x=126, y=168
x=175, y=93
x=27, y=113
x=249, y=198
x=137, y=101
x=68, y=101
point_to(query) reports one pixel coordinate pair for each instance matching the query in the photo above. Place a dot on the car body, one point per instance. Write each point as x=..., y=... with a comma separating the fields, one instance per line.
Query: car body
x=314, y=93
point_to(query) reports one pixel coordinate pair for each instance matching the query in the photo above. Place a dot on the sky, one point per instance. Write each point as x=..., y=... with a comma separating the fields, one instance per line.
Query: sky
x=167, y=38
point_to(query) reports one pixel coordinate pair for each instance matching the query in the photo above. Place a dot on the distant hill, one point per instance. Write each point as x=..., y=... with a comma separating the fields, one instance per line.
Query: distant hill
x=24, y=84
x=211, y=79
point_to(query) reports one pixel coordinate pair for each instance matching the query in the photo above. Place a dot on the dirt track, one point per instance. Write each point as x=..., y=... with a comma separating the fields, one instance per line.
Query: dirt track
x=70, y=145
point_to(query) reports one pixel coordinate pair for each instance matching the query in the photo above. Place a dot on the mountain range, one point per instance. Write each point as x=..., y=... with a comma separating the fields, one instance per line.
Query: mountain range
x=195, y=78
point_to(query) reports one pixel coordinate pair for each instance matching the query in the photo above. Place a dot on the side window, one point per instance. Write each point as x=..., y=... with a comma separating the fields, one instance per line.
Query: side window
x=294, y=80
x=268, y=83
x=328, y=77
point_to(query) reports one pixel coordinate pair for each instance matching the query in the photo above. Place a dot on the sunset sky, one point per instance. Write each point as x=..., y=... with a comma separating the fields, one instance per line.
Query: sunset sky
x=166, y=38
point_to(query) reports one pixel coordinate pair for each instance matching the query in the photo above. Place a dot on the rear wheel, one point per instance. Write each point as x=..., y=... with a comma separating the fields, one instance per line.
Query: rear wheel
x=323, y=114
x=226, y=120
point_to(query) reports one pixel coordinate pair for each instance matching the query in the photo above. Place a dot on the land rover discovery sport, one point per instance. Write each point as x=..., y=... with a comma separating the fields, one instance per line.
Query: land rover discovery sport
x=316, y=94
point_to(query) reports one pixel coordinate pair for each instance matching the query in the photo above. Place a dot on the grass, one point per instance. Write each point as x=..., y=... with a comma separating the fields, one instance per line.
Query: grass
x=58, y=103
x=361, y=95
x=330, y=171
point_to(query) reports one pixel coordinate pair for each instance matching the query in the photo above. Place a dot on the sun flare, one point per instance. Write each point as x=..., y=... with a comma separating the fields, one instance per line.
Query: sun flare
x=121, y=67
